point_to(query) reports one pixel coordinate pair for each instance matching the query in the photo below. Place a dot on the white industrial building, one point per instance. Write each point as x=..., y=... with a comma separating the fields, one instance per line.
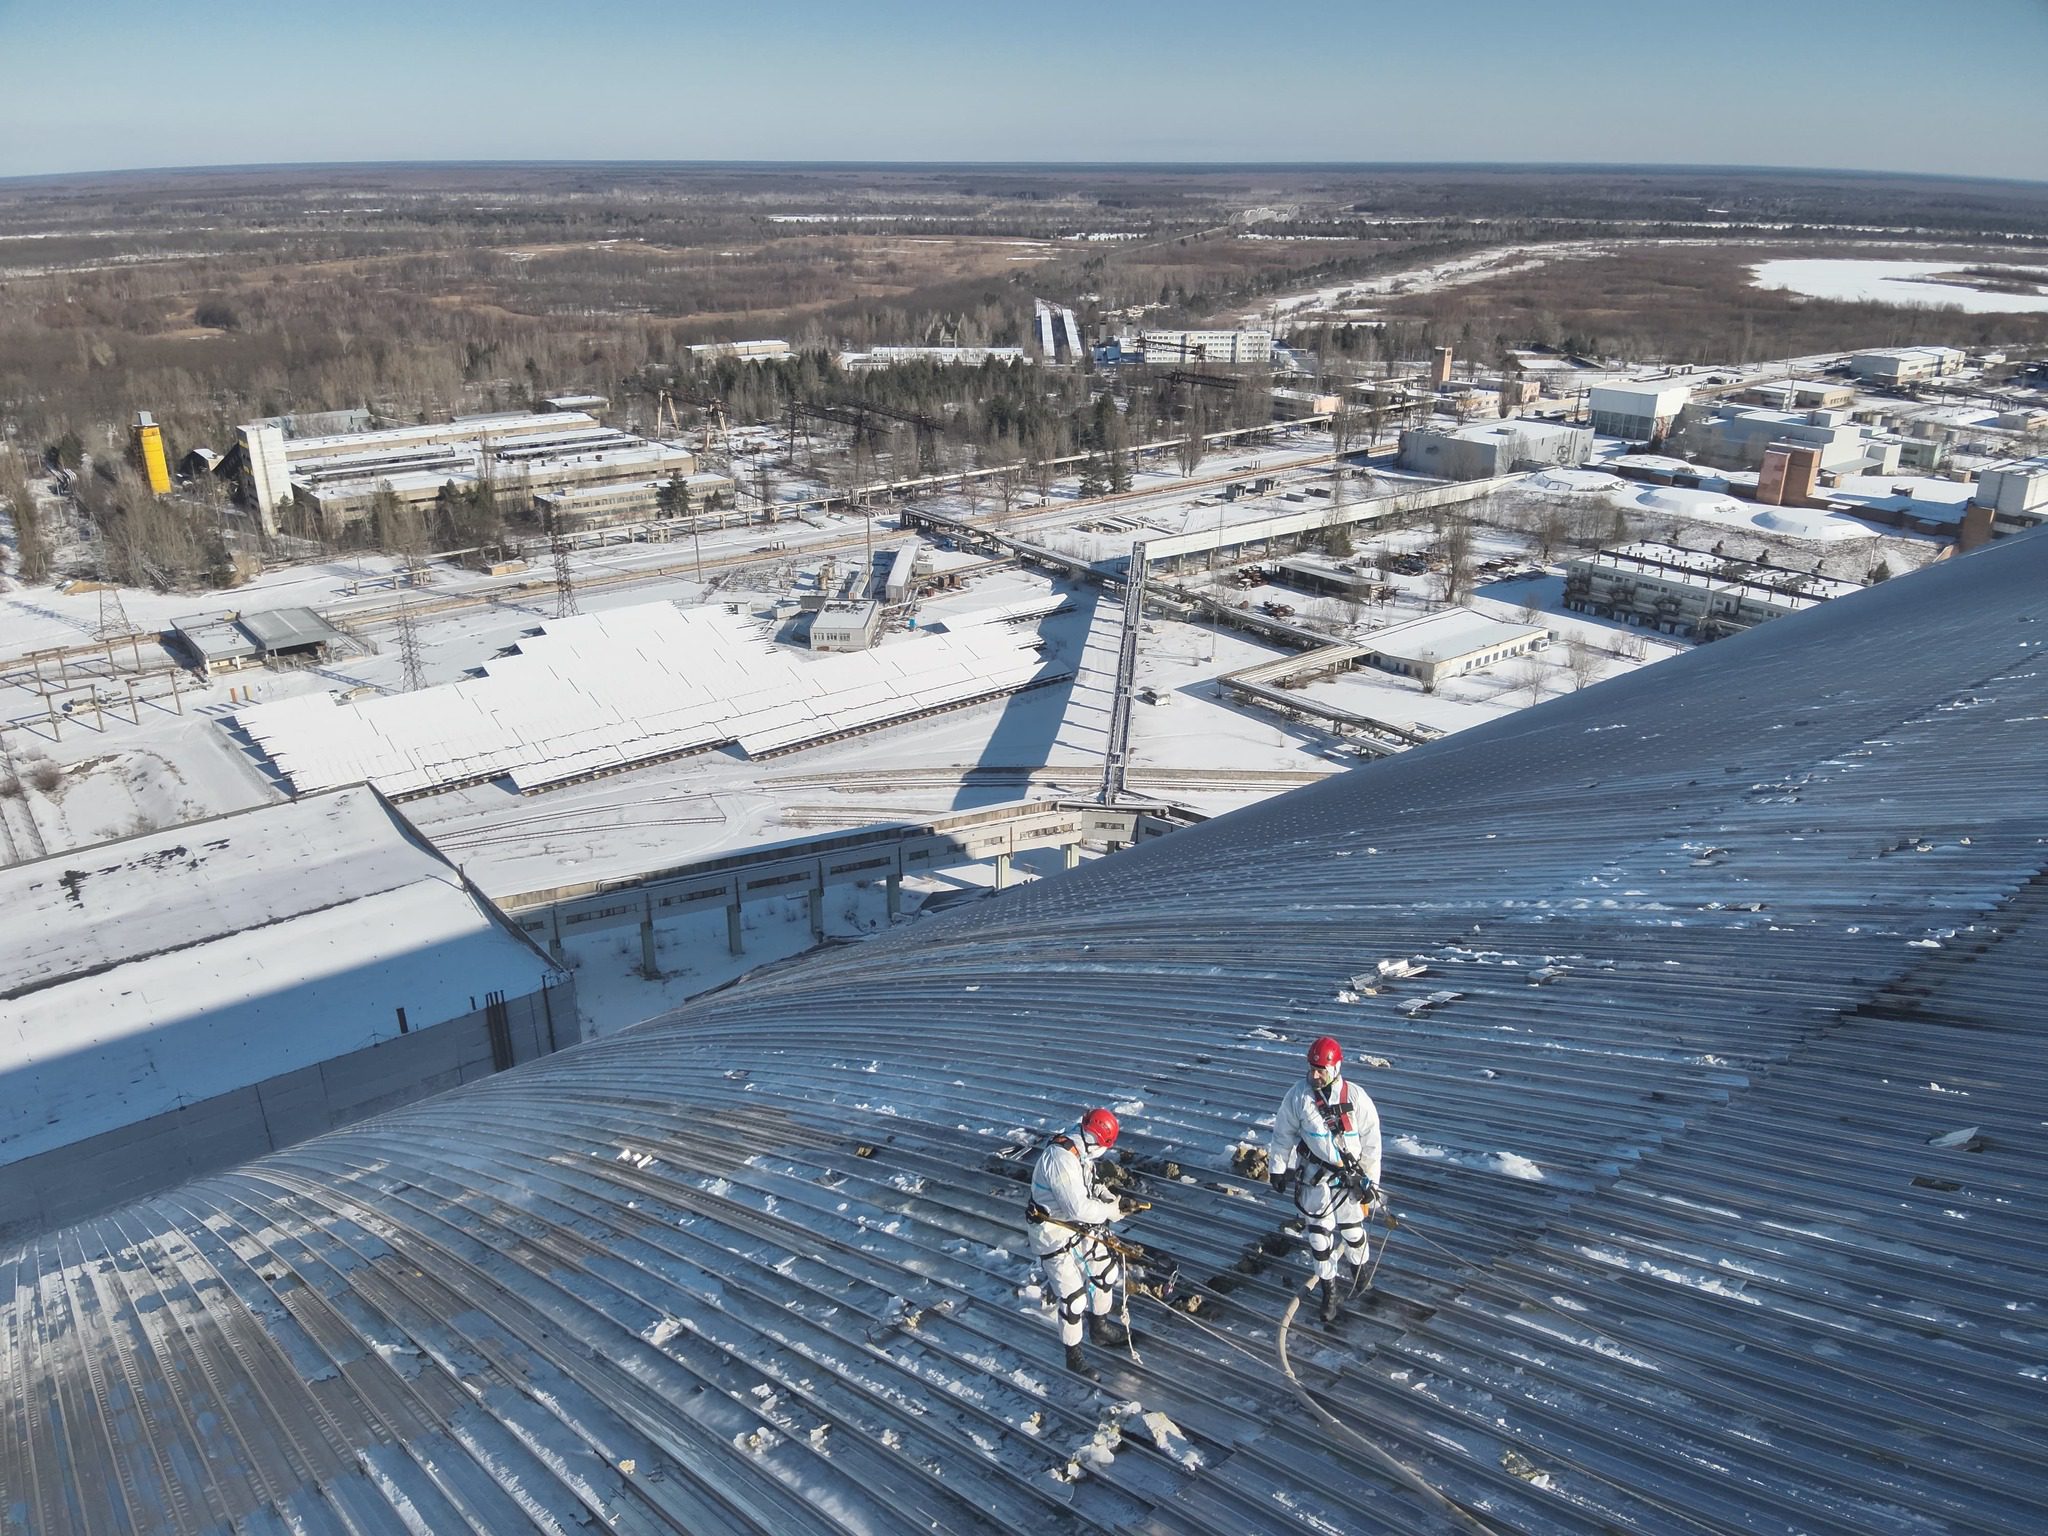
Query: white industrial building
x=1236, y=348
x=224, y=642
x=1449, y=644
x=339, y=476
x=1640, y=410
x=846, y=626
x=765, y=350
x=1904, y=365
x=1487, y=448
x=901, y=578
x=182, y=1001
x=2016, y=492
x=1688, y=592
x=1738, y=436
x=945, y=357
x=602, y=506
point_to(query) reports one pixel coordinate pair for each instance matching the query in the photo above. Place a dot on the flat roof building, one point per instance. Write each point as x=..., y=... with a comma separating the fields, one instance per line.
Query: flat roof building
x=765, y=350
x=1489, y=448
x=1903, y=365
x=1640, y=410
x=1738, y=436
x=846, y=626
x=1449, y=644
x=1235, y=348
x=2015, y=492
x=1690, y=593
x=339, y=476
x=602, y=506
x=181, y=1001
x=945, y=357
x=223, y=642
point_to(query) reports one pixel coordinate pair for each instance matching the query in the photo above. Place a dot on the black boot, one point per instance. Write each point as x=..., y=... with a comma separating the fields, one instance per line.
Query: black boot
x=1329, y=1303
x=1108, y=1331
x=1078, y=1363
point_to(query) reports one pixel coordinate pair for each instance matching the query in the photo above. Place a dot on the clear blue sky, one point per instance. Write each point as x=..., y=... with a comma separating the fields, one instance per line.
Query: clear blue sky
x=1954, y=86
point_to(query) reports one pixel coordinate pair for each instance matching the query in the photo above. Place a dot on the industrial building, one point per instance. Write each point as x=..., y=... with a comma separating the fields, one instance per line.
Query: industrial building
x=1445, y=645
x=212, y=643
x=1489, y=448
x=184, y=1000
x=756, y=1267
x=899, y=581
x=763, y=351
x=944, y=357
x=1687, y=592
x=846, y=626
x=1906, y=365
x=2015, y=493
x=1638, y=410
x=1799, y=395
x=1235, y=348
x=634, y=501
x=1738, y=437
x=338, y=477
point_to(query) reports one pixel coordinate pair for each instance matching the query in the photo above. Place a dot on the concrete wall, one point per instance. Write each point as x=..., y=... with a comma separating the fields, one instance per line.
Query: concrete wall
x=109, y=1170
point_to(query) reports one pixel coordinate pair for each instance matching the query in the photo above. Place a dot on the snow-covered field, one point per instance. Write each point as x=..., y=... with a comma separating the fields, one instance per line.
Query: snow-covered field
x=1893, y=282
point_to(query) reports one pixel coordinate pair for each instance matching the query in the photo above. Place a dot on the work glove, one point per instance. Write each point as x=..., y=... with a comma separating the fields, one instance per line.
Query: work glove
x=1130, y=1205
x=1281, y=1180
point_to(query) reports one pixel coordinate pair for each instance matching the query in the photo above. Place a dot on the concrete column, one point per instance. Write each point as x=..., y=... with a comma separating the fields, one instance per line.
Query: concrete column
x=893, y=886
x=817, y=912
x=1002, y=870
x=1071, y=855
x=555, y=940
x=650, y=969
x=733, y=941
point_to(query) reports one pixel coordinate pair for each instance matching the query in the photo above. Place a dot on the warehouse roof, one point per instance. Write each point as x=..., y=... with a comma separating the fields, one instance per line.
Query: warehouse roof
x=161, y=970
x=1709, y=1051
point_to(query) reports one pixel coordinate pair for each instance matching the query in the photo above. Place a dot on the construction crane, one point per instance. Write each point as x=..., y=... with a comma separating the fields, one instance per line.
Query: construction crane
x=714, y=416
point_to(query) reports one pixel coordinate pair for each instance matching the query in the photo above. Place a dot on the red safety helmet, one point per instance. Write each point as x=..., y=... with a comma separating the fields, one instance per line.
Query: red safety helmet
x=1325, y=1053
x=1100, y=1127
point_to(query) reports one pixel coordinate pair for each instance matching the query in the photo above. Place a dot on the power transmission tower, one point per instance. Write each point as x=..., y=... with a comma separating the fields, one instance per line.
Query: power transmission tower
x=114, y=623
x=409, y=643
x=565, y=586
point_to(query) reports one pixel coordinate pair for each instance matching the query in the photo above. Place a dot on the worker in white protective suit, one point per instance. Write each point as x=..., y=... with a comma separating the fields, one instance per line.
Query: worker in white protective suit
x=1326, y=1145
x=1069, y=1212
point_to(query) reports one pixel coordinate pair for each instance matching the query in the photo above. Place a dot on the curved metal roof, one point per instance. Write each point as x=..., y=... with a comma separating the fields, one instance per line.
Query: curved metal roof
x=1715, y=1117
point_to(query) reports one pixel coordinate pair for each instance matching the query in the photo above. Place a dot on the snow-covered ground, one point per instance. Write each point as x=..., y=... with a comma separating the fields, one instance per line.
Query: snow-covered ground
x=1894, y=282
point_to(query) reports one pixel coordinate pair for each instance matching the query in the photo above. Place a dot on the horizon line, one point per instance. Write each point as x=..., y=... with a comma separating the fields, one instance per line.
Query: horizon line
x=1184, y=166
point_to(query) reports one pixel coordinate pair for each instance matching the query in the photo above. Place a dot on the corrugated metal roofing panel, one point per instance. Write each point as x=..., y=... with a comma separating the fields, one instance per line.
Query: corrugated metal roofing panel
x=1714, y=1130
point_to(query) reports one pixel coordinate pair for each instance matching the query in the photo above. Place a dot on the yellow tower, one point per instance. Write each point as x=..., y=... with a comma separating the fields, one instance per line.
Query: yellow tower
x=149, y=453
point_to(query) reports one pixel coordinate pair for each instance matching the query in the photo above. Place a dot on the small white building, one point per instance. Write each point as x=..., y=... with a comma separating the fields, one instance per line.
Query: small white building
x=767, y=349
x=846, y=626
x=1639, y=410
x=902, y=574
x=1903, y=365
x=1449, y=644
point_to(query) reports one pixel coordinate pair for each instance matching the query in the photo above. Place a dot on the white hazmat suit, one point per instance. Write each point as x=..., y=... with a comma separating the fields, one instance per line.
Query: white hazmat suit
x=1319, y=1131
x=1084, y=1275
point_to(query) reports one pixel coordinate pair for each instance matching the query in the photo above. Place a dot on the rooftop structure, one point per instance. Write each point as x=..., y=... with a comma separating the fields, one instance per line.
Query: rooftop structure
x=846, y=626
x=2016, y=492
x=1711, y=1072
x=183, y=1000
x=1488, y=448
x=587, y=404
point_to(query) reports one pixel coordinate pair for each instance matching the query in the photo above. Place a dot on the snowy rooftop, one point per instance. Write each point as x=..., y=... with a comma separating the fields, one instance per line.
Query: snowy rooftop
x=161, y=970
x=1454, y=632
x=598, y=692
x=1924, y=496
x=1713, y=1116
